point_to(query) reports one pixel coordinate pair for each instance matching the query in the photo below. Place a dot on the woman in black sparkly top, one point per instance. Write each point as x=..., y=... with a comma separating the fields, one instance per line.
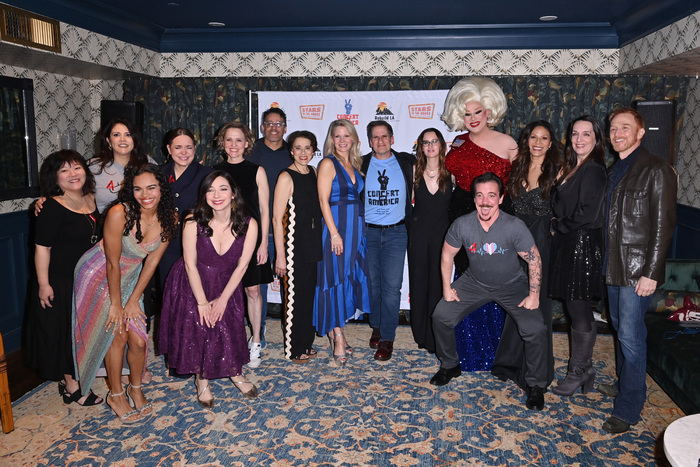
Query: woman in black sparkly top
x=532, y=178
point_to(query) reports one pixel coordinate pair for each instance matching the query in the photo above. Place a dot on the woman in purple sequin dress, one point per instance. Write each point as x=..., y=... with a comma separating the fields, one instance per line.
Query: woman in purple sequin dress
x=202, y=329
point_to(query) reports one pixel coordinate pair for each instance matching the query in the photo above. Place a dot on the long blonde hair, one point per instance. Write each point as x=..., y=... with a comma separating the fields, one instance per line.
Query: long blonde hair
x=329, y=147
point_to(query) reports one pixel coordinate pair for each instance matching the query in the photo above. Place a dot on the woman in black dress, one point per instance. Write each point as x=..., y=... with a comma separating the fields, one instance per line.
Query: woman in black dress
x=296, y=221
x=236, y=140
x=432, y=191
x=532, y=178
x=66, y=227
x=577, y=246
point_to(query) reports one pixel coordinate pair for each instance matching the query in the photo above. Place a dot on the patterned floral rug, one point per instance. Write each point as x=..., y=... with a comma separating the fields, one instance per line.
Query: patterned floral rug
x=368, y=413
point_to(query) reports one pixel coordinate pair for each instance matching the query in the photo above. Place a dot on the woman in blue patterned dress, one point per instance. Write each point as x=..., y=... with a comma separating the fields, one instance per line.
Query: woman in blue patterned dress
x=342, y=290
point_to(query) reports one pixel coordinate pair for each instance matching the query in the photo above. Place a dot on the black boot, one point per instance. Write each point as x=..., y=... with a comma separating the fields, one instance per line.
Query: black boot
x=581, y=372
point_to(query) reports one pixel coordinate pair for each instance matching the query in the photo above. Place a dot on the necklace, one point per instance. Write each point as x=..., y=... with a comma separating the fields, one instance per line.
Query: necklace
x=90, y=218
x=432, y=171
x=93, y=223
x=299, y=170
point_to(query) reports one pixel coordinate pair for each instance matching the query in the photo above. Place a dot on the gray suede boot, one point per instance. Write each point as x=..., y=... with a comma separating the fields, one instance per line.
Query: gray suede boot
x=581, y=373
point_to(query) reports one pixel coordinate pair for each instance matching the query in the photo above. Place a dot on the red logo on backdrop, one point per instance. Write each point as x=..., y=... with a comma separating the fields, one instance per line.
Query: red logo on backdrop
x=312, y=112
x=275, y=105
x=422, y=111
x=354, y=118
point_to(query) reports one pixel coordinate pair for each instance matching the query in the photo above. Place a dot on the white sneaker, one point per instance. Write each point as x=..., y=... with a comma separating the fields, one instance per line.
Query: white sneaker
x=255, y=355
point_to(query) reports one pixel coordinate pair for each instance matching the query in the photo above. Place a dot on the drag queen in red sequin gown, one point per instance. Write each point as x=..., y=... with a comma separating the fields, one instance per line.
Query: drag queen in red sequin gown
x=477, y=105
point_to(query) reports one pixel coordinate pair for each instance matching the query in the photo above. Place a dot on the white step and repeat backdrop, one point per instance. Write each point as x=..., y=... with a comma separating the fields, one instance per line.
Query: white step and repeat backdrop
x=408, y=112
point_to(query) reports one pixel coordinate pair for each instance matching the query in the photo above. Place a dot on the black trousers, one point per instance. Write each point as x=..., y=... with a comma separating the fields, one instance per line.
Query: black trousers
x=531, y=328
x=298, y=289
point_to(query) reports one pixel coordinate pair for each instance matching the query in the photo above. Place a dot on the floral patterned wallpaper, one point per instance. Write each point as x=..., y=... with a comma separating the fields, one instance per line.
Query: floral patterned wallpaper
x=62, y=103
x=553, y=84
x=687, y=160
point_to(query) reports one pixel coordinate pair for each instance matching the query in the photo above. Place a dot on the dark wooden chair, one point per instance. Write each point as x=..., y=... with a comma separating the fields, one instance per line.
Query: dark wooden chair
x=8, y=423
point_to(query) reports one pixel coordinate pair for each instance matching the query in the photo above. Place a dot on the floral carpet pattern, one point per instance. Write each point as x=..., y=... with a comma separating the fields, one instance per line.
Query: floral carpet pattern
x=368, y=413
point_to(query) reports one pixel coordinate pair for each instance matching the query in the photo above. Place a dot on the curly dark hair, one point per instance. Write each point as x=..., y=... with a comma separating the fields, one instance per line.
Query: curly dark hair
x=597, y=154
x=106, y=156
x=166, y=213
x=203, y=213
x=521, y=165
x=421, y=162
x=54, y=163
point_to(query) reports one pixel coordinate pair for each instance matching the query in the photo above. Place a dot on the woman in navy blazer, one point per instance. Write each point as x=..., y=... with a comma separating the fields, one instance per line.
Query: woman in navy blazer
x=185, y=175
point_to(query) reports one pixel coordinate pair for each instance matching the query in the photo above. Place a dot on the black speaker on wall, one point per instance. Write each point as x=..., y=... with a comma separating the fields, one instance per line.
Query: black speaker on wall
x=660, y=126
x=132, y=111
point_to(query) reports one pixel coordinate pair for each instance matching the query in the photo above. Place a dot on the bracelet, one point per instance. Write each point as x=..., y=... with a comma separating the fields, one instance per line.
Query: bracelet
x=202, y=304
x=334, y=236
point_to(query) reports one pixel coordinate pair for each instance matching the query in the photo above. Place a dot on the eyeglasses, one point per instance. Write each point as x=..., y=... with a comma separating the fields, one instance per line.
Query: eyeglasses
x=274, y=124
x=432, y=142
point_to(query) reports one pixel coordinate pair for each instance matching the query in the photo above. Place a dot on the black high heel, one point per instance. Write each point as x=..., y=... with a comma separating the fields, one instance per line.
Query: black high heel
x=90, y=400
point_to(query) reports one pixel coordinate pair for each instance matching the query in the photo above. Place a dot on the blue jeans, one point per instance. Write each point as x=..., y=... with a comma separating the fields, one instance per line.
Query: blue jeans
x=627, y=311
x=386, y=252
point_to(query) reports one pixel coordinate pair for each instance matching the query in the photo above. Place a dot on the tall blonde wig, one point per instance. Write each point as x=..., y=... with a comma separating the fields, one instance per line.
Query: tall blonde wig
x=329, y=146
x=482, y=90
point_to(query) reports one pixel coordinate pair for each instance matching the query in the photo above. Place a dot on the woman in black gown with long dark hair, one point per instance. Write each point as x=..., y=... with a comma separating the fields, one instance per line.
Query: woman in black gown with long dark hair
x=532, y=179
x=432, y=191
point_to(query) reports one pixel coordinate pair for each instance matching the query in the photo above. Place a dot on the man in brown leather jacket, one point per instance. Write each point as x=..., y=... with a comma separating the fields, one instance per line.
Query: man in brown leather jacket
x=641, y=215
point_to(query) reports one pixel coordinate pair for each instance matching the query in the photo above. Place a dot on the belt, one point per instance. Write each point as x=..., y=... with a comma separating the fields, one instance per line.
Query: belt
x=375, y=226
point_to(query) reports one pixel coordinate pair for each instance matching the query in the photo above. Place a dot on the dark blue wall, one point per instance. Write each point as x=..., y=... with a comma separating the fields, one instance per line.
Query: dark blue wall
x=686, y=239
x=14, y=276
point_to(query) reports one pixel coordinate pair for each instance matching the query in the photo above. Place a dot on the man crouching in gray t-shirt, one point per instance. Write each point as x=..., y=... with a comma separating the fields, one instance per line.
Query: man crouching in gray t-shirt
x=493, y=240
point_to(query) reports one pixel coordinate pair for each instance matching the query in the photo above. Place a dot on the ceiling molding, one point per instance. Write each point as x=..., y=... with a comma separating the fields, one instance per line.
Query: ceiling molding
x=454, y=37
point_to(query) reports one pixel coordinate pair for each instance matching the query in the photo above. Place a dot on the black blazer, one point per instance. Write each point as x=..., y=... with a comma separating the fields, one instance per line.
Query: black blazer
x=578, y=203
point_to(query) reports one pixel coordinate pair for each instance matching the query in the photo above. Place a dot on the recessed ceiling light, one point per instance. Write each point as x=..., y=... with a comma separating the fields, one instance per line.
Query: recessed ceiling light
x=173, y=4
x=548, y=18
x=216, y=24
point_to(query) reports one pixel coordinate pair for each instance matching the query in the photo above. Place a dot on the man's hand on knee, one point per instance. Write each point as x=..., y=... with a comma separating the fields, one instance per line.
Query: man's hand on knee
x=450, y=295
x=530, y=302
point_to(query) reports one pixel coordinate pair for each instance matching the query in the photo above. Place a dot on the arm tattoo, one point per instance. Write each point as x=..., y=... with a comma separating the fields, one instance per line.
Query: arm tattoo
x=534, y=262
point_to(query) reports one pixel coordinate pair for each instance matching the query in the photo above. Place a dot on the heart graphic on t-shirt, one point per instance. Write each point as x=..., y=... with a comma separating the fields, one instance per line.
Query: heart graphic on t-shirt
x=490, y=248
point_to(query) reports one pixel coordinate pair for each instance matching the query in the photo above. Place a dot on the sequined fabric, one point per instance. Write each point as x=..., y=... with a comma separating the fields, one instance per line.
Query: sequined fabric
x=478, y=335
x=530, y=204
x=91, y=302
x=575, y=271
x=468, y=161
x=190, y=346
